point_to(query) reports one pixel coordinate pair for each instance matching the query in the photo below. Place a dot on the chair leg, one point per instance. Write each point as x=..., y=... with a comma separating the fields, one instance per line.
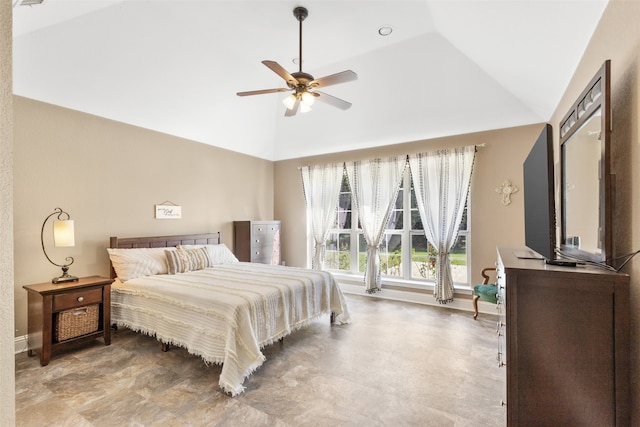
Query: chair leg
x=475, y=306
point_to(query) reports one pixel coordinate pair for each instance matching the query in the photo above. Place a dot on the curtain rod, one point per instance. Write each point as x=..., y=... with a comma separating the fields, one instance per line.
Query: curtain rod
x=481, y=145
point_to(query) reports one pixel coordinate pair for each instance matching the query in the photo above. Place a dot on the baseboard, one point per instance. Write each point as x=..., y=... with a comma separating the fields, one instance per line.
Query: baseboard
x=420, y=298
x=21, y=344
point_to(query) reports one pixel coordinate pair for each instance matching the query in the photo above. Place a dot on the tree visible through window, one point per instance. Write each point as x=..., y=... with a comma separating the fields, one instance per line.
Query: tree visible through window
x=404, y=252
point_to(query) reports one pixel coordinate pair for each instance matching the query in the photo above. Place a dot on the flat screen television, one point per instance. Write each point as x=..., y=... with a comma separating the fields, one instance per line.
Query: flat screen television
x=539, y=197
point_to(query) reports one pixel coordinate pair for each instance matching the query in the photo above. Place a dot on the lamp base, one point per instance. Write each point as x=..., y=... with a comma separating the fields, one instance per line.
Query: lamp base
x=64, y=278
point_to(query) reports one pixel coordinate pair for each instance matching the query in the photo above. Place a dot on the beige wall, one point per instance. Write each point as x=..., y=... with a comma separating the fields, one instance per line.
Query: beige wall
x=7, y=360
x=108, y=176
x=492, y=223
x=618, y=38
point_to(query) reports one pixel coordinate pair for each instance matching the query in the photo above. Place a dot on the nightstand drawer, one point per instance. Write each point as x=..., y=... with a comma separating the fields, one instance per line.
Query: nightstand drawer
x=76, y=299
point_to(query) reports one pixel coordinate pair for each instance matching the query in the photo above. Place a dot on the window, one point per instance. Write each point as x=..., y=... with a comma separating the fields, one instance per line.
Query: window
x=405, y=253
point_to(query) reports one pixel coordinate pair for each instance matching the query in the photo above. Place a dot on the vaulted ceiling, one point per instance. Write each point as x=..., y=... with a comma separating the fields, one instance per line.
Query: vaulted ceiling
x=449, y=67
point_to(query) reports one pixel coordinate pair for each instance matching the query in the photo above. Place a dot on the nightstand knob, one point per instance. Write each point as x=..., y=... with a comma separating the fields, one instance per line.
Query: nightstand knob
x=80, y=299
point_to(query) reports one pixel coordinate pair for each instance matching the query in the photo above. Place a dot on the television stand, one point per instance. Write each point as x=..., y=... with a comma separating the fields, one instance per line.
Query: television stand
x=563, y=338
x=561, y=262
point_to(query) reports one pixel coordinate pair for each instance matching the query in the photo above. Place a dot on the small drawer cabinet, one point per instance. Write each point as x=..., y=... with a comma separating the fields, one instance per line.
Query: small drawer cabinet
x=257, y=241
x=64, y=313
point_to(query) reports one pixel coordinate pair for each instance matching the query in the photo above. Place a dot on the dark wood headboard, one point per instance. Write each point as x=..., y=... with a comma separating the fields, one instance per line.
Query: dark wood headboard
x=162, y=242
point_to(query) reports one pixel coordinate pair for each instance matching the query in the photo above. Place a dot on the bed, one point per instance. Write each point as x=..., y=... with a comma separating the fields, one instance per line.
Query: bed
x=191, y=291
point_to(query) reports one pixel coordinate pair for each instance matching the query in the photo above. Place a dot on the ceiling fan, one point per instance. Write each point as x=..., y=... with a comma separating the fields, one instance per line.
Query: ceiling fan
x=302, y=84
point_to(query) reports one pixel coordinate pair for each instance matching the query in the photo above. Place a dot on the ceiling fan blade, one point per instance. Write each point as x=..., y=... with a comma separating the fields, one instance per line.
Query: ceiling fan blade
x=277, y=68
x=292, y=111
x=332, y=100
x=334, y=79
x=260, y=92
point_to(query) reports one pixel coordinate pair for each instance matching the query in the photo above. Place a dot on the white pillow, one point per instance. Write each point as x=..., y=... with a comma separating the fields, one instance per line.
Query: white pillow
x=219, y=254
x=137, y=262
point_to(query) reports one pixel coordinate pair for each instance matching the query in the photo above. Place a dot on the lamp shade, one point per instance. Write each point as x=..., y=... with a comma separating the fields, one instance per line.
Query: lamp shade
x=304, y=108
x=63, y=233
x=289, y=101
x=307, y=99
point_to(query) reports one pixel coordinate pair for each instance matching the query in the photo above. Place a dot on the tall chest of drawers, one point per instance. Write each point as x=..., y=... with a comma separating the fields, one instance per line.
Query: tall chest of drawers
x=564, y=340
x=257, y=241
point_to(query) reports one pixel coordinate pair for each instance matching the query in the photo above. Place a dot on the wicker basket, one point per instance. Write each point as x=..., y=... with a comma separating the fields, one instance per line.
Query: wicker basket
x=76, y=322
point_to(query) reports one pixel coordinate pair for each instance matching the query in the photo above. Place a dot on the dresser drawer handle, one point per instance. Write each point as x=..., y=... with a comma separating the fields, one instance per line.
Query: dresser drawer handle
x=501, y=364
x=80, y=299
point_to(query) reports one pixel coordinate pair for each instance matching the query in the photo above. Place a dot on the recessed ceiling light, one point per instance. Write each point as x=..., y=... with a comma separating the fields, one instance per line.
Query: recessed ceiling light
x=296, y=61
x=385, y=30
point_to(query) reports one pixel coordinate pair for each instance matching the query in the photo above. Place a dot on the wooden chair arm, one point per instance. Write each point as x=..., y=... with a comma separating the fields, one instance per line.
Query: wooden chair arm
x=485, y=275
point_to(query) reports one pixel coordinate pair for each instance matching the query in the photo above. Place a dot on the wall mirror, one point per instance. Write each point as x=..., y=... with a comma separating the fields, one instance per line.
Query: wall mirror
x=585, y=190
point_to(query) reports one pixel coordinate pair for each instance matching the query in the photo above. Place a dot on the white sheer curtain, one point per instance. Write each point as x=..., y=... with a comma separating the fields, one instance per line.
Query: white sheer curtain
x=441, y=183
x=374, y=187
x=321, y=185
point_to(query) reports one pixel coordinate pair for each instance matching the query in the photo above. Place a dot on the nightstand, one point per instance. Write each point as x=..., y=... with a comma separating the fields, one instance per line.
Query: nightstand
x=65, y=313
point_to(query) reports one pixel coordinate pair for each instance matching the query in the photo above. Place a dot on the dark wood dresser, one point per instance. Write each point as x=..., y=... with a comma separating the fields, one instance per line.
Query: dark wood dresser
x=65, y=313
x=564, y=341
x=257, y=241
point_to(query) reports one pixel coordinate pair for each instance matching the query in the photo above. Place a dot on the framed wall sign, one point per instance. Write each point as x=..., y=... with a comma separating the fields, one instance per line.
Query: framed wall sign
x=165, y=211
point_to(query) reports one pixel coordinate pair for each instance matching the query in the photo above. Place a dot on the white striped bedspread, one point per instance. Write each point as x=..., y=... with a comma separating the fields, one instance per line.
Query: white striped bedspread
x=227, y=313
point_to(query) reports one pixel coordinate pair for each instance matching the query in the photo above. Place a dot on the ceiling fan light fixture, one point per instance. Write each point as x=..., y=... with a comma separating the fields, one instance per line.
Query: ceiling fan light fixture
x=289, y=101
x=307, y=99
x=303, y=84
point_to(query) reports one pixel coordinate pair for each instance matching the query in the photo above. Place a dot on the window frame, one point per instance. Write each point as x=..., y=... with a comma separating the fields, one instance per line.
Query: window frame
x=406, y=234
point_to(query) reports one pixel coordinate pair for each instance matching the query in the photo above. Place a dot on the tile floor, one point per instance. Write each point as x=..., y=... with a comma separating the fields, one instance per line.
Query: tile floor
x=396, y=364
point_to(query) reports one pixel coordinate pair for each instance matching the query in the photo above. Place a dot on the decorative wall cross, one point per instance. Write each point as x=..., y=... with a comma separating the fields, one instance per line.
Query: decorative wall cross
x=506, y=190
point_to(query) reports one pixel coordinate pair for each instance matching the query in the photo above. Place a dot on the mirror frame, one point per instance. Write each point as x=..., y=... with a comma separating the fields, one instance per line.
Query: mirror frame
x=597, y=94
